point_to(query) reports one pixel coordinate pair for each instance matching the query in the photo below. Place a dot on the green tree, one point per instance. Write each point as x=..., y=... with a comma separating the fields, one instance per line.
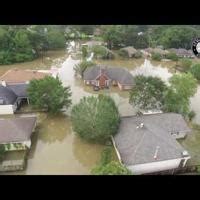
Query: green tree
x=95, y=119
x=102, y=52
x=55, y=39
x=112, y=168
x=148, y=93
x=48, y=93
x=81, y=67
x=177, y=36
x=177, y=97
x=84, y=52
x=195, y=70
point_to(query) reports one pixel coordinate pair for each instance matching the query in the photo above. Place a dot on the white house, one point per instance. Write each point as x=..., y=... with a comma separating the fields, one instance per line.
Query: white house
x=147, y=144
x=13, y=86
x=11, y=97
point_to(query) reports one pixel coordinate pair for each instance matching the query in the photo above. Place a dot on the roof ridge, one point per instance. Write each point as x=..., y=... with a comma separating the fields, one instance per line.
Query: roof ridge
x=139, y=144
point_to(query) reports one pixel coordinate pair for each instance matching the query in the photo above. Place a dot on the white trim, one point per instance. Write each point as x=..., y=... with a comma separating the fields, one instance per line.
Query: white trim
x=116, y=150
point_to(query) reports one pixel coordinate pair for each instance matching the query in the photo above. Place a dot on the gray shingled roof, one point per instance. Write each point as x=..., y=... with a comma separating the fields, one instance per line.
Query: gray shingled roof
x=8, y=96
x=182, y=52
x=91, y=73
x=138, y=145
x=19, y=89
x=16, y=129
x=121, y=75
x=130, y=50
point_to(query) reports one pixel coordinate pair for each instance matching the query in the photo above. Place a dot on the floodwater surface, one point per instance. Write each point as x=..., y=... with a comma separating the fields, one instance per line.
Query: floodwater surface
x=56, y=149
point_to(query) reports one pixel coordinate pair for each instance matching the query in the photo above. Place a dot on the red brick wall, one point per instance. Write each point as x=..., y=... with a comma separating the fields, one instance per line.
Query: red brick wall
x=102, y=81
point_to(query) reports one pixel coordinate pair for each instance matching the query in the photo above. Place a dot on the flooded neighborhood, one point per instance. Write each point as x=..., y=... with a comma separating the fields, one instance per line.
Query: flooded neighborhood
x=56, y=148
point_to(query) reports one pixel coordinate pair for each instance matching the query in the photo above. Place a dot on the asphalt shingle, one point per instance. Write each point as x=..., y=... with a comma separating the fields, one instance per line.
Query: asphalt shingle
x=137, y=145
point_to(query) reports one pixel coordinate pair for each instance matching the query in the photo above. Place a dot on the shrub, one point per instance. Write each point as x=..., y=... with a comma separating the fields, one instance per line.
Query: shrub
x=156, y=56
x=185, y=64
x=2, y=151
x=106, y=156
x=138, y=54
x=95, y=119
x=195, y=70
x=123, y=53
x=191, y=115
x=112, y=168
x=172, y=56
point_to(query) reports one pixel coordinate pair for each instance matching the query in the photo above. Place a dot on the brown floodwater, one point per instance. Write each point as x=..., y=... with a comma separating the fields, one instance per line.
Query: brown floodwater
x=50, y=58
x=56, y=149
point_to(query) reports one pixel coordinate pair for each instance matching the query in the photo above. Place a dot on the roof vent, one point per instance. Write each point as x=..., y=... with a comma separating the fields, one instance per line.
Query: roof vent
x=156, y=153
x=185, y=153
x=140, y=126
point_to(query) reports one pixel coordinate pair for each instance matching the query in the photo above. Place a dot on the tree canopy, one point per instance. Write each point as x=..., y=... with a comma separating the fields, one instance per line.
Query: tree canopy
x=151, y=93
x=95, y=119
x=82, y=66
x=177, y=98
x=48, y=93
x=24, y=43
x=148, y=93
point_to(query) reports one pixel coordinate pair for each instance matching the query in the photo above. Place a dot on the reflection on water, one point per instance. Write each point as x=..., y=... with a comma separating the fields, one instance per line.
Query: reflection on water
x=87, y=150
x=147, y=69
x=56, y=149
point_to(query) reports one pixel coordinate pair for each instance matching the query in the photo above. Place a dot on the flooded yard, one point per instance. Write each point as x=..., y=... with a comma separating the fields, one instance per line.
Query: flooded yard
x=55, y=148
